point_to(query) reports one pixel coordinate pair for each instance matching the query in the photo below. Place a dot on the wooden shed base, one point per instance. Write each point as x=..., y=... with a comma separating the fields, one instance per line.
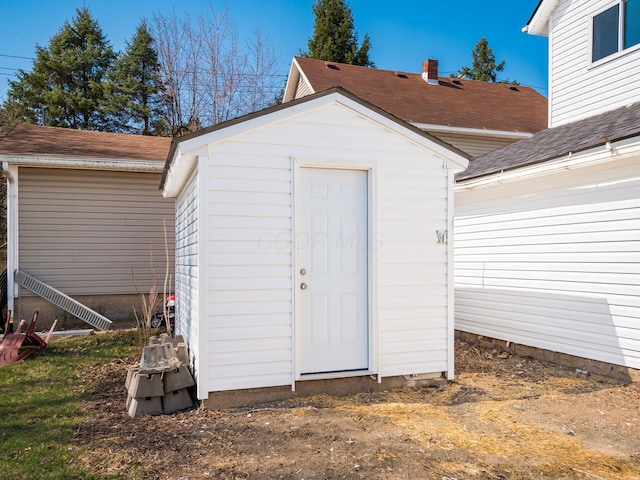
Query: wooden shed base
x=335, y=386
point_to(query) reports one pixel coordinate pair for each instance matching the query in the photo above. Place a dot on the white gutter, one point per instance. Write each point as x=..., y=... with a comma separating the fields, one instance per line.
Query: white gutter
x=601, y=154
x=428, y=127
x=87, y=163
x=10, y=173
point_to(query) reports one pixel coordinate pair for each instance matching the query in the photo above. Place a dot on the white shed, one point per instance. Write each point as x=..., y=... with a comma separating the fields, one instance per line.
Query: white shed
x=311, y=245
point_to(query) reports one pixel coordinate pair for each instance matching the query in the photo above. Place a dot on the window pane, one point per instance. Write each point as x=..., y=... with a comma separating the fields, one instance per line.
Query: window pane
x=631, y=23
x=605, y=33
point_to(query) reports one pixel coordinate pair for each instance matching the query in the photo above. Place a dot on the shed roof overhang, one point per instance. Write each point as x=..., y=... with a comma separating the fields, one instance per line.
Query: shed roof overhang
x=178, y=174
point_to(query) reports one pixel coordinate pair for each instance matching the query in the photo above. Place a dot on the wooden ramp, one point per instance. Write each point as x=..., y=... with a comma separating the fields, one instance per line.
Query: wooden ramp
x=63, y=301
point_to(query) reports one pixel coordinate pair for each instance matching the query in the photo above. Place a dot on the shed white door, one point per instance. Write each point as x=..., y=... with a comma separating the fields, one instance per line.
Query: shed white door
x=332, y=270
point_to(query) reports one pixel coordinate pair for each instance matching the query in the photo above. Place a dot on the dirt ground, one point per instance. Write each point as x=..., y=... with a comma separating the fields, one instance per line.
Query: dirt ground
x=504, y=417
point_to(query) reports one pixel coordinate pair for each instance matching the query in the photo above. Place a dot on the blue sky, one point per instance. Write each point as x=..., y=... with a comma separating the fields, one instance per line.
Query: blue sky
x=403, y=33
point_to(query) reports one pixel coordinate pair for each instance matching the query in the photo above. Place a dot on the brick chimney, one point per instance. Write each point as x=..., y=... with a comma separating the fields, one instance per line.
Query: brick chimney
x=430, y=71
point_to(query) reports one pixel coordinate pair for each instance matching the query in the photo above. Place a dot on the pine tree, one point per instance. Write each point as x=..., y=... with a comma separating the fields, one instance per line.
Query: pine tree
x=484, y=67
x=334, y=38
x=5, y=118
x=134, y=87
x=67, y=79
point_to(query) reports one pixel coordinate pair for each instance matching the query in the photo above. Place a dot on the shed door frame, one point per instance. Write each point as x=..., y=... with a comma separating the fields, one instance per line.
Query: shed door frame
x=375, y=241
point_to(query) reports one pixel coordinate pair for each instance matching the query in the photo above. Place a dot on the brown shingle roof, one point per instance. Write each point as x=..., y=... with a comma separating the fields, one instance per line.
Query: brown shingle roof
x=557, y=142
x=27, y=139
x=454, y=103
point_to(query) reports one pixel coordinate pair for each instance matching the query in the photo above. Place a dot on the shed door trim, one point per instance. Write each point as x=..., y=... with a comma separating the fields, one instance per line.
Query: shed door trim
x=372, y=264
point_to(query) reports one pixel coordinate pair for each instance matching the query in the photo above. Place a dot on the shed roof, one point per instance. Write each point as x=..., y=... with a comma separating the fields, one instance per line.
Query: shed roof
x=26, y=139
x=556, y=142
x=453, y=102
x=451, y=152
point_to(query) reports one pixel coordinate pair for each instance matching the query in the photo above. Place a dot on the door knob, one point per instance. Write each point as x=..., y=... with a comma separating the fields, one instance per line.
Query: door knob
x=303, y=286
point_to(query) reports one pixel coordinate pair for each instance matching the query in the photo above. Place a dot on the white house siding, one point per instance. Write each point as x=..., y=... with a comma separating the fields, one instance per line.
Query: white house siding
x=474, y=145
x=578, y=89
x=249, y=196
x=87, y=232
x=553, y=262
x=186, y=266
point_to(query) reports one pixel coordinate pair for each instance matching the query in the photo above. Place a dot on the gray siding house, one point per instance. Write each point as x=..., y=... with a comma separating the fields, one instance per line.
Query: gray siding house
x=85, y=217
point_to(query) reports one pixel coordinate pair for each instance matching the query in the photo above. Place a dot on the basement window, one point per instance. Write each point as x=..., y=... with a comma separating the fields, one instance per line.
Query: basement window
x=615, y=29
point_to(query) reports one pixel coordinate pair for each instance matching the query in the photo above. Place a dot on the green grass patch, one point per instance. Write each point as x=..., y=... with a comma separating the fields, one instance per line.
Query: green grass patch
x=41, y=402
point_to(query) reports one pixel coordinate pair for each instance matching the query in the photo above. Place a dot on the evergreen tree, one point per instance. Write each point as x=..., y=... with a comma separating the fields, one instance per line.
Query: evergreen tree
x=484, y=67
x=134, y=87
x=67, y=80
x=334, y=38
x=5, y=119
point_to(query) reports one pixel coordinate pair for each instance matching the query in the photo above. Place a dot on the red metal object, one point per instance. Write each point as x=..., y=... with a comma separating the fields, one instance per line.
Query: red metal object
x=17, y=346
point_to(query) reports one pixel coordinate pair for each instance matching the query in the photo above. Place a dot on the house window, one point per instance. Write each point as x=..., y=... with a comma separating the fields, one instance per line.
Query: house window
x=615, y=29
x=631, y=23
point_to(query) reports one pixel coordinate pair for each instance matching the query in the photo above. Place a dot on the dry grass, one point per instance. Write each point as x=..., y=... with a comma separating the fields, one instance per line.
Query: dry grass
x=503, y=418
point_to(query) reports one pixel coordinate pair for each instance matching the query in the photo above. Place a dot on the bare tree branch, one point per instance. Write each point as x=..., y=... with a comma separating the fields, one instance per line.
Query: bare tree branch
x=209, y=75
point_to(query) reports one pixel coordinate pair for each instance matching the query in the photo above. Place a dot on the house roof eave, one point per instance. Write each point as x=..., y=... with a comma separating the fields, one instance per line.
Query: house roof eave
x=473, y=131
x=602, y=153
x=83, y=163
x=538, y=24
x=607, y=128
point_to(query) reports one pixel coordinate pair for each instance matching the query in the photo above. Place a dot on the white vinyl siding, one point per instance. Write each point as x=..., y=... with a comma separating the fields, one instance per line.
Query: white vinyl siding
x=553, y=262
x=88, y=232
x=248, y=256
x=413, y=267
x=187, y=277
x=250, y=246
x=473, y=145
x=578, y=87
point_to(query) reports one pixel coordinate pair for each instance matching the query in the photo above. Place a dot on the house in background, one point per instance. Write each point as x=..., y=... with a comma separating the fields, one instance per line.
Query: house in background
x=547, y=239
x=85, y=217
x=475, y=117
x=311, y=250
x=594, y=52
